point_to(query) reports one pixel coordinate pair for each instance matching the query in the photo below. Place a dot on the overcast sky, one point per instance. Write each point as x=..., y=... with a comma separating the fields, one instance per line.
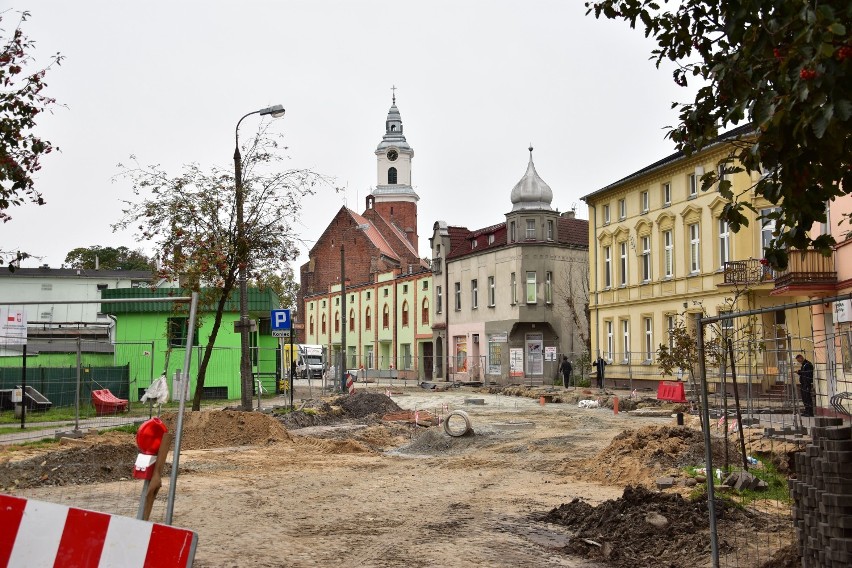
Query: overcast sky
x=477, y=83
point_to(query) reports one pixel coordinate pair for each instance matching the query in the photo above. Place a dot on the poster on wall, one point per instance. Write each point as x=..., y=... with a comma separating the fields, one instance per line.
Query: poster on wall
x=843, y=311
x=516, y=361
x=461, y=353
x=535, y=354
x=550, y=353
x=495, y=356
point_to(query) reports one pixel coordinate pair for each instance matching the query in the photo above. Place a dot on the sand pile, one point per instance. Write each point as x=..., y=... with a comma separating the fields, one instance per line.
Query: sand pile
x=227, y=428
x=642, y=456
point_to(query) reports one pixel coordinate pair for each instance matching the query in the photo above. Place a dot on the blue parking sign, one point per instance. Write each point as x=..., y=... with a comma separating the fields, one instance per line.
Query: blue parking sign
x=280, y=319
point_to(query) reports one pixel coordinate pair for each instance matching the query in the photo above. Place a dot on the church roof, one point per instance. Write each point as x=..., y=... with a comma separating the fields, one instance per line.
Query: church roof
x=531, y=192
x=374, y=235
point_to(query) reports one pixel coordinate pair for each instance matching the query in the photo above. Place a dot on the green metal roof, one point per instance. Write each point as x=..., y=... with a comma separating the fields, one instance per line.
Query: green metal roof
x=259, y=301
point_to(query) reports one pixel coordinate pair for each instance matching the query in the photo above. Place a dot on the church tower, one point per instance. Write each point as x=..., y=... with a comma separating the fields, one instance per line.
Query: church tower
x=394, y=198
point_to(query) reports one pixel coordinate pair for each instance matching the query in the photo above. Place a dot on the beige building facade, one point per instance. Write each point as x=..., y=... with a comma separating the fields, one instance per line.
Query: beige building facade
x=660, y=254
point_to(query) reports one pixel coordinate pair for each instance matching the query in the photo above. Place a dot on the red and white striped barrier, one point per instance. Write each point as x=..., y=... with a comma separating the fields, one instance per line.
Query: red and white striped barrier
x=350, y=383
x=36, y=533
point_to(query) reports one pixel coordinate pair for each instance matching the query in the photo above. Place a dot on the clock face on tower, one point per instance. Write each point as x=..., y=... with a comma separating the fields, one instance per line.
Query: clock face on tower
x=392, y=155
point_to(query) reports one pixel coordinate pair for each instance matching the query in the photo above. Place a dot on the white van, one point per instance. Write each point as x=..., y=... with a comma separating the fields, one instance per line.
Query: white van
x=309, y=363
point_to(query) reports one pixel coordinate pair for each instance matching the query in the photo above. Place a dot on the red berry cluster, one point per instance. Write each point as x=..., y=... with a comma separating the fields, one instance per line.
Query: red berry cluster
x=778, y=53
x=844, y=53
x=807, y=74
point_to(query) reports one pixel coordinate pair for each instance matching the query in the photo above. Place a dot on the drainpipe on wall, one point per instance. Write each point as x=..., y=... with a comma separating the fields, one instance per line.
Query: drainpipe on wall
x=594, y=217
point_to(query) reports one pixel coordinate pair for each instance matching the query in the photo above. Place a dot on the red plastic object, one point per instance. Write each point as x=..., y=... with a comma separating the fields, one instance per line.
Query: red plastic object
x=671, y=391
x=107, y=403
x=150, y=435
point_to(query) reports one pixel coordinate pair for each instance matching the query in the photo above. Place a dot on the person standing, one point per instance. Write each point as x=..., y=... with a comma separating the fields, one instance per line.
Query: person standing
x=565, y=368
x=600, y=366
x=806, y=384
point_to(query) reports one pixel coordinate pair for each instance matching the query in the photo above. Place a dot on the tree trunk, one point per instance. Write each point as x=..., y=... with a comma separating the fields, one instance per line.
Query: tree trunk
x=208, y=349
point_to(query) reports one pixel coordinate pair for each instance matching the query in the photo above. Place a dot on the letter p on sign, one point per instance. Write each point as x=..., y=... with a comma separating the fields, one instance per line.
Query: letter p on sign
x=280, y=319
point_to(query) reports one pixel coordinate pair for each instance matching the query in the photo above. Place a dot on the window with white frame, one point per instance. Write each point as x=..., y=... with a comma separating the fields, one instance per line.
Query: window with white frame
x=491, y=239
x=513, y=232
x=458, y=295
x=646, y=258
x=531, y=288
x=644, y=201
x=667, y=194
x=550, y=229
x=439, y=304
x=694, y=248
x=625, y=340
x=726, y=324
x=668, y=259
x=724, y=243
x=670, y=326
x=767, y=228
x=623, y=264
x=622, y=209
x=609, y=340
x=607, y=267
x=721, y=174
x=606, y=214
x=492, y=294
x=692, y=185
x=548, y=287
x=474, y=293
x=530, y=229
x=649, y=339
x=513, y=288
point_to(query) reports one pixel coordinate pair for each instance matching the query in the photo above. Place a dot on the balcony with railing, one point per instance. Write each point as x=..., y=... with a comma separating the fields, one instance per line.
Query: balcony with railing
x=807, y=270
x=748, y=272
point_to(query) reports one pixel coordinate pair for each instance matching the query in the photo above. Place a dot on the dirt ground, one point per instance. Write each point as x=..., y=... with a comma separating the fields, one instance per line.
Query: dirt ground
x=333, y=484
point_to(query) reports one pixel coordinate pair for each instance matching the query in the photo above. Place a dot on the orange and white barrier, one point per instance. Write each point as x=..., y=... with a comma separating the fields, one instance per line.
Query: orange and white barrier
x=37, y=533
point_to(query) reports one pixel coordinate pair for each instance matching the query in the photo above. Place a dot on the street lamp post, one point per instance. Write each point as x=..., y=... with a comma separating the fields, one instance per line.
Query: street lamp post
x=361, y=227
x=275, y=111
x=342, y=317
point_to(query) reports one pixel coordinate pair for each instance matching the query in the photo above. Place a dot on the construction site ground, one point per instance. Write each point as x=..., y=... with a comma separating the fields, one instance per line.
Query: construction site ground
x=333, y=484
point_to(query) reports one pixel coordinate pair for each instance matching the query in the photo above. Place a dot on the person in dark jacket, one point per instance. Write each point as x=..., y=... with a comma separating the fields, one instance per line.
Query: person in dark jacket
x=806, y=384
x=600, y=366
x=565, y=369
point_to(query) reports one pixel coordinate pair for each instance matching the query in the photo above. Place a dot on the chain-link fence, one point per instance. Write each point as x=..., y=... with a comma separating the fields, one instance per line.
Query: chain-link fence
x=774, y=403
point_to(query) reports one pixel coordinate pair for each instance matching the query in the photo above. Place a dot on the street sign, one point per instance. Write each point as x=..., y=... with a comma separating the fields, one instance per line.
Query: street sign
x=280, y=320
x=280, y=333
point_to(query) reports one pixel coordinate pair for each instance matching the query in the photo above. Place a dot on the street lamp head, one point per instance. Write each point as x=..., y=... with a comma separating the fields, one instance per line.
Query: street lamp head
x=277, y=111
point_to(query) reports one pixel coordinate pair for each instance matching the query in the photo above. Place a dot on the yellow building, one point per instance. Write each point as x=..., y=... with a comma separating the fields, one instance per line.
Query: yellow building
x=660, y=254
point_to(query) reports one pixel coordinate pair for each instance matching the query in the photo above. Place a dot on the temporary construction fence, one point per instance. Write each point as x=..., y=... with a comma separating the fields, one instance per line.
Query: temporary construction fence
x=13, y=343
x=468, y=369
x=790, y=390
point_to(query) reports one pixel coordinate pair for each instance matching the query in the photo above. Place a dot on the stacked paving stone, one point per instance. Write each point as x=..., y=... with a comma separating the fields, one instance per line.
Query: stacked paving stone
x=822, y=496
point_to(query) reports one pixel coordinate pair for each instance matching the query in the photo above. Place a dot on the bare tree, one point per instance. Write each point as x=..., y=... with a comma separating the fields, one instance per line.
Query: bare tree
x=190, y=219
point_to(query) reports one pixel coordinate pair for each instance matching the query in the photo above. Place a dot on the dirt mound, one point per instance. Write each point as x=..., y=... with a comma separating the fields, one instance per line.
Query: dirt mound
x=363, y=404
x=92, y=460
x=227, y=428
x=641, y=456
x=645, y=528
x=434, y=441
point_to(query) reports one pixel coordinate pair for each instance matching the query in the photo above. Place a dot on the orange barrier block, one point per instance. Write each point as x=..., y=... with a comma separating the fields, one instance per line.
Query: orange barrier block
x=107, y=403
x=671, y=391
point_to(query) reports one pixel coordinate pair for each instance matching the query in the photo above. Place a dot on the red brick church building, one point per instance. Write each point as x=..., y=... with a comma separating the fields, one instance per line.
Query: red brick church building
x=380, y=319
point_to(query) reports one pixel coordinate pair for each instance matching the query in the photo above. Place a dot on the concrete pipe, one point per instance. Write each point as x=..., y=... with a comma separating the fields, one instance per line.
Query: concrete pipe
x=456, y=431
